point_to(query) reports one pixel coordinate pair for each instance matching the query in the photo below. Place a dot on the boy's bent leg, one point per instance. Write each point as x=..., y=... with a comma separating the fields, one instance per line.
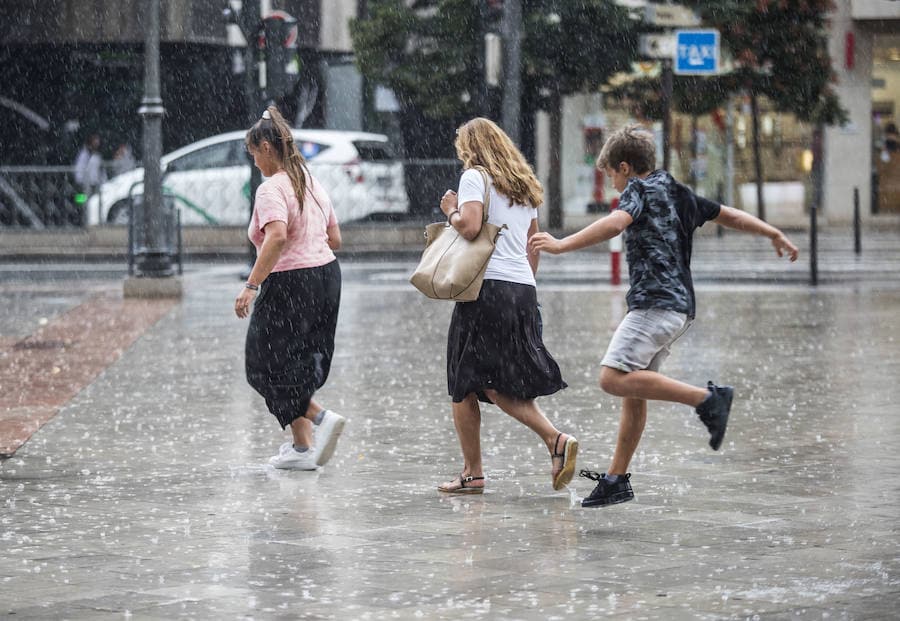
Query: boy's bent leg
x=712, y=404
x=651, y=386
x=631, y=428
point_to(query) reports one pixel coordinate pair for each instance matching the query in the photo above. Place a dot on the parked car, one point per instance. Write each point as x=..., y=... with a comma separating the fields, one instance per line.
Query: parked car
x=210, y=179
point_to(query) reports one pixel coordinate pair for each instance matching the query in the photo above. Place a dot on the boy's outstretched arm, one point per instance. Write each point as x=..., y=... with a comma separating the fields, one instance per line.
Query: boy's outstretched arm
x=605, y=228
x=743, y=221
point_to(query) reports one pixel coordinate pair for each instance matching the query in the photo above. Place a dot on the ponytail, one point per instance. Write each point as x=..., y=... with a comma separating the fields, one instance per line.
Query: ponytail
x=272, y=128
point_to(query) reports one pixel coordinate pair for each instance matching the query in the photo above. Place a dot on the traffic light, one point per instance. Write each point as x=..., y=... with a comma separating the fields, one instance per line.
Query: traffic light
x=492, y=11
x=279, y=38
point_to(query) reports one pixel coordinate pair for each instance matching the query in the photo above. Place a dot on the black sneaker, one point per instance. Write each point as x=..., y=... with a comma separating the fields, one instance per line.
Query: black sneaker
x=607, y=493
x=714, y=412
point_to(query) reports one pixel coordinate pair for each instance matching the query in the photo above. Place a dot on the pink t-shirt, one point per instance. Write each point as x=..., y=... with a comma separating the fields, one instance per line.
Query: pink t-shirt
x=307, y=240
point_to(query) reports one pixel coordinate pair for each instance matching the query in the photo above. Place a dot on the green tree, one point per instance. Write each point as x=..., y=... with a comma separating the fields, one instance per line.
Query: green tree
x=571, y=47
x=424, y=51
x=429, y=53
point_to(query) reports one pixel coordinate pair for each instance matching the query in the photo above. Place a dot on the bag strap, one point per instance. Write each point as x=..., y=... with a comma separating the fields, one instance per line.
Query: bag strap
x=487, y=192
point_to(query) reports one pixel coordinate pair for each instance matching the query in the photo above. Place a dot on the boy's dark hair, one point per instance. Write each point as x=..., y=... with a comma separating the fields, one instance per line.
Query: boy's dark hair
x=633, y=145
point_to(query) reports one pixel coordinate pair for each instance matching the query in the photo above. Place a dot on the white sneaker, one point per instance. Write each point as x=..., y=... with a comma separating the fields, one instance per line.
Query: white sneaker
x=287, y=446
x=289, y=459
x=327, y=434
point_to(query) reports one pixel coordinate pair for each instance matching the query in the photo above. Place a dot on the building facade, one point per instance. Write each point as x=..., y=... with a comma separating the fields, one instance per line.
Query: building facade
x=864, y=44
x=72, y=68
x=865, y=50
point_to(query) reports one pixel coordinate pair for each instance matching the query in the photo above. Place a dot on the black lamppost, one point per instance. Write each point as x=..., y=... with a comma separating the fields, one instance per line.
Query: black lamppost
x=512, y=68
x=153, y=259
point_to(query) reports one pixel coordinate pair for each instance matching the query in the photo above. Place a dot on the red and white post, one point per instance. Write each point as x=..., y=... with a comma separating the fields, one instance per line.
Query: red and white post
x=615, y=251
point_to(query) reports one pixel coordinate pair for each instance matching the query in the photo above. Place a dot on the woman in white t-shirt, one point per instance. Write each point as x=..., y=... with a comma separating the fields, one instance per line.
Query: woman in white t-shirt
x=495, y=352
x=290, y=339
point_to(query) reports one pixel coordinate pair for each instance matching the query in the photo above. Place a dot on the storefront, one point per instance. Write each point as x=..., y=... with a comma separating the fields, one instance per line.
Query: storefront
x=885, y=120
x=862, y=156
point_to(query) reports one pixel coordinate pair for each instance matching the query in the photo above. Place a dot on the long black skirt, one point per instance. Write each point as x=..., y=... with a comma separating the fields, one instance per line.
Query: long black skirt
x=290, y=340
x=495, y=343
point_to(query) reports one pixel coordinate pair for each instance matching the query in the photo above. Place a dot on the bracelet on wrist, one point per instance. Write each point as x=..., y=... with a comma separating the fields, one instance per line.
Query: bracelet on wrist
x=250, y=285
x=450, y=216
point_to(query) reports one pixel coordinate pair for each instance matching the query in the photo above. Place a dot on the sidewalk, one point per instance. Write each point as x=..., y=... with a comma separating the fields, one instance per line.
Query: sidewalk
x=731, y=257
x=147, y=495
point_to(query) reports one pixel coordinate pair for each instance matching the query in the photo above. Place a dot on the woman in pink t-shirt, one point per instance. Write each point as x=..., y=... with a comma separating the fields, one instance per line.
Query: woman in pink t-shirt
x=290, y=339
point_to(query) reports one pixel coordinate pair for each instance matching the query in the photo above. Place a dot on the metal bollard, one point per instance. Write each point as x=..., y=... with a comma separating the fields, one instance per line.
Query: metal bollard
x=857, y=223
x=615, y=251
x=813, y=244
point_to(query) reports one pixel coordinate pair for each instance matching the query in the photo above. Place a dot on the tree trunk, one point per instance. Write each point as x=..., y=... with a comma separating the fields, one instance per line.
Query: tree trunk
x=554, y=178
x=695, y=151
x=757, y=158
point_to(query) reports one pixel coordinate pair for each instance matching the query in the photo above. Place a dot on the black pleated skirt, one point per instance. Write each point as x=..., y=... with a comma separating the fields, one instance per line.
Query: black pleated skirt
x=495, y=343
x=290, y=340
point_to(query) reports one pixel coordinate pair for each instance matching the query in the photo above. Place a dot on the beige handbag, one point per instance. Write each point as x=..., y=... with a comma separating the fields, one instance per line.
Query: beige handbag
x=452, y=267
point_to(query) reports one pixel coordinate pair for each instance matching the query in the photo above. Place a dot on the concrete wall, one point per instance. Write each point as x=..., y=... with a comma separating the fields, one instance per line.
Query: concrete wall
x=847, y=150
x=334, y=34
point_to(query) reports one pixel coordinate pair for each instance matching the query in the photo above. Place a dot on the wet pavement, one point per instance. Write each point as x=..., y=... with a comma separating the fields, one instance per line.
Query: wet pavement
x=147, y=495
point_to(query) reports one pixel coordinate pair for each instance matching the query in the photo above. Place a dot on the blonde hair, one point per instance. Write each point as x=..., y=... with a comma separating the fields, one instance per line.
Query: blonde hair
x=480, y=142
x=276, y=131
x=633, y=145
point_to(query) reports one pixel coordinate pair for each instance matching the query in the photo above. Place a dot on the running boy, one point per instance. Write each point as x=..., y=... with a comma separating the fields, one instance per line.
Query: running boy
x=660, y=216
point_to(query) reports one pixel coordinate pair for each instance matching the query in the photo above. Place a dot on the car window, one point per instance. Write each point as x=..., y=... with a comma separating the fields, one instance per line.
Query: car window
x=219, y=155
x=310, y=149
x=373, y=151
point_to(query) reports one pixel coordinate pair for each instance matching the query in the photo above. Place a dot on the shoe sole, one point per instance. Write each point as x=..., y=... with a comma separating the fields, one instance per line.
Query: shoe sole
x=564, y=476
x=715, y=442
x=331, y=443
x=462, y=491
x=612, y=500
x=292, y=467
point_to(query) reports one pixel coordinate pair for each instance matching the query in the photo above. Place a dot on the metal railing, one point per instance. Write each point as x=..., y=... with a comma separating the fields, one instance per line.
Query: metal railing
x=38, y=197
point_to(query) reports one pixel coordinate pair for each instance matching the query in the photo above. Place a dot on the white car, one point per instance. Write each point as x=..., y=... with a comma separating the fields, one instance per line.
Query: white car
x=210, y=179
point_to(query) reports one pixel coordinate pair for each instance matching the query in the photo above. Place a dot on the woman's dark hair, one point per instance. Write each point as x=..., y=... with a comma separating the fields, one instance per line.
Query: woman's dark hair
x=272, y=128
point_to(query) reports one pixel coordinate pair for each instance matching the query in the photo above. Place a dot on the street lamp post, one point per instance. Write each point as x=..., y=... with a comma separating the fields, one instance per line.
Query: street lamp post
x=512, y=94
x=153, y=259
x=154, y=274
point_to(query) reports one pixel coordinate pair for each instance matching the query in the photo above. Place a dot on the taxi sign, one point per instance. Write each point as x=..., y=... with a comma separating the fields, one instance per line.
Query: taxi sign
x=696, y=52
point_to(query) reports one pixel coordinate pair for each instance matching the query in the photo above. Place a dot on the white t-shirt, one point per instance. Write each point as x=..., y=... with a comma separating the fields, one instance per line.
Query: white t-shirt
x=89, y=168
x=510, y=259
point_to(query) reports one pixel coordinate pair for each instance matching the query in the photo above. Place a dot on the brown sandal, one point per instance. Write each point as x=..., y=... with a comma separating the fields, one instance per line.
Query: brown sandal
x=458, y=485
x=567, y=457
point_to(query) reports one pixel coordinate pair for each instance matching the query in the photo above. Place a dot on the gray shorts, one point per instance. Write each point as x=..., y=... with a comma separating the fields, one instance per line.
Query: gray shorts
x=643, y=339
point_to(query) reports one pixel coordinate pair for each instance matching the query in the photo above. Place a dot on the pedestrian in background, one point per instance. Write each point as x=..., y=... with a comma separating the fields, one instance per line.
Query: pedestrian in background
x=659, y=217
x=495, y=352
x=123, y=159
x=290, y=339
x=88, y=168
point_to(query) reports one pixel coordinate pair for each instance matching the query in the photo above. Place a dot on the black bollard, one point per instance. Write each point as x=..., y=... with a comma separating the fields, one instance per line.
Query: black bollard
x=857, y=223
x=813, y=258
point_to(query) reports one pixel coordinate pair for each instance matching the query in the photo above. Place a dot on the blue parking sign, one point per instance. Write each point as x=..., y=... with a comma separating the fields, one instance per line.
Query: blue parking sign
x=696, y=52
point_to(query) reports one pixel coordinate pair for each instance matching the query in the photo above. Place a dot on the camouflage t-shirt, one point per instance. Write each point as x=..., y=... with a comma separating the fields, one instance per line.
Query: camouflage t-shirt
x=658, y=242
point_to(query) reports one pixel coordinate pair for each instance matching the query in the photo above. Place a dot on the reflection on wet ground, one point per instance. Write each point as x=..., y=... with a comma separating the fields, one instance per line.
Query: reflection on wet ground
x=147, y=496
